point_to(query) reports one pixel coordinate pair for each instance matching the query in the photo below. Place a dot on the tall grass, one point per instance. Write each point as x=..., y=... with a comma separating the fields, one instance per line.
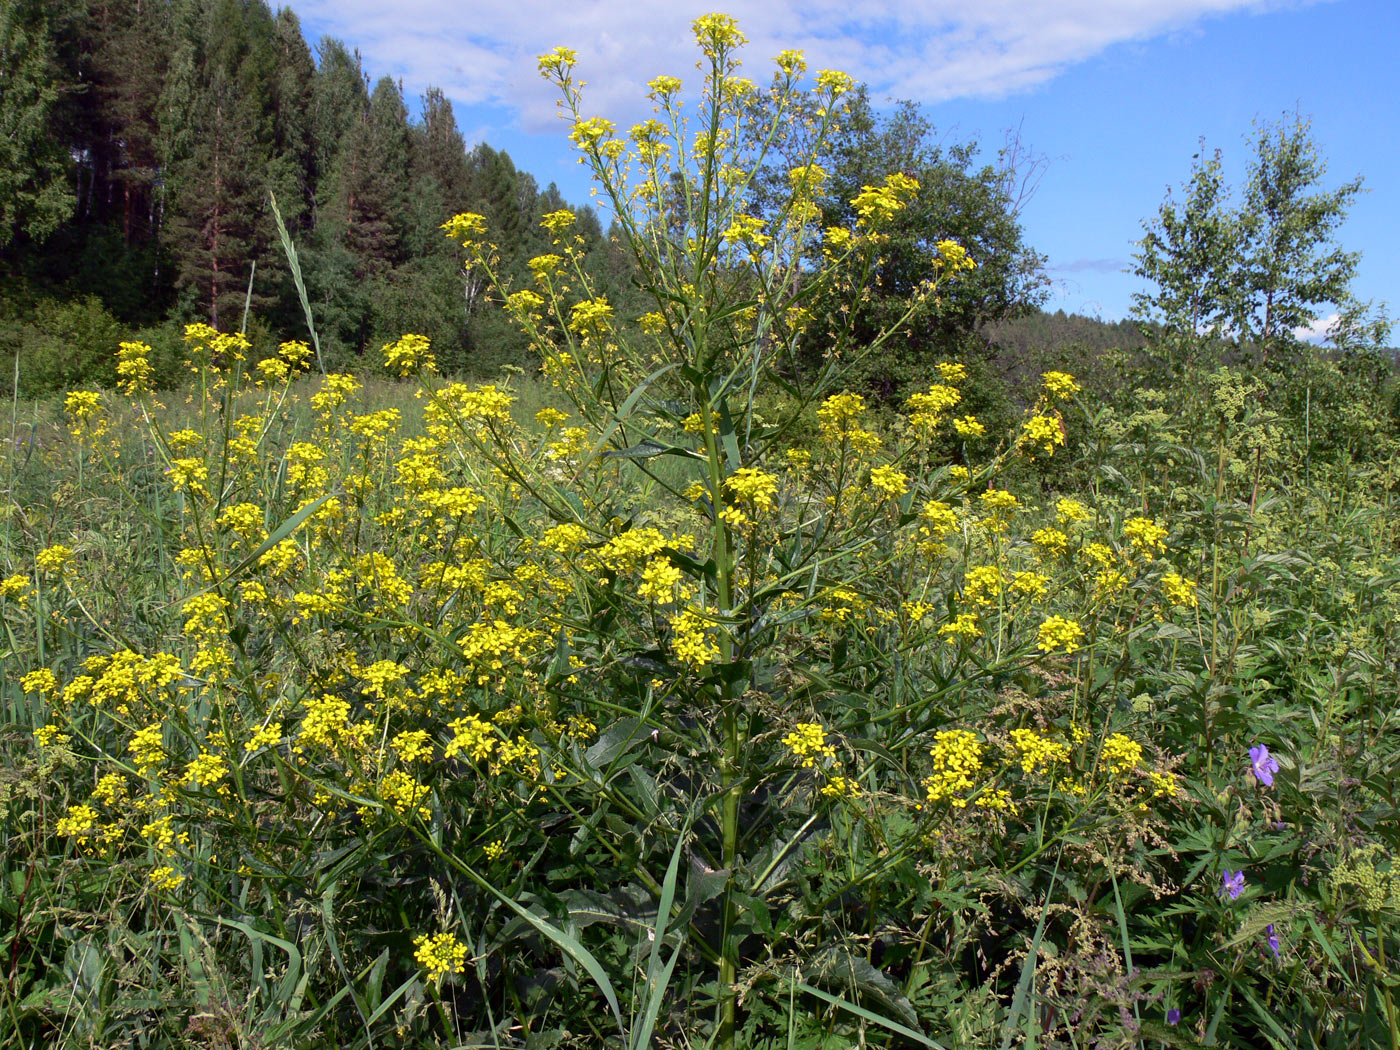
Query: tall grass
x=669, y=703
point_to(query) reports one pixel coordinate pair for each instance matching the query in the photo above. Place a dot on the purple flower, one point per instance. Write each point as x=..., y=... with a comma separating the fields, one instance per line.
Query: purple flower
x=1265, y=765
x=1273, y=941
x=1232, y=883
x=1173, y=1016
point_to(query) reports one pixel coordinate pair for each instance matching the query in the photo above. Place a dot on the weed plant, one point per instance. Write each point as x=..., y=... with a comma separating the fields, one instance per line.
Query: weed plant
x=690, y=706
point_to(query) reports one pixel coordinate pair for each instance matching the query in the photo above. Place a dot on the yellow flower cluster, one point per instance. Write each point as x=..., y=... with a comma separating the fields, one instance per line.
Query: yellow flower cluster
x=409, y=354
x=1059, y=384
x=691, y=640
x=963, y=627
x=1145, y=535
x=808, y=742
x=877, y=205
x=890, y=481
x=441, y=954
x=754, y=486
x=16, y=588
x=929, y=409
x=1179, y=590
x=1043, y=433
x=1120, y=754
x=1059, y=633
x=1036, y=751
x=53, y=559
x=957, y=759
x=982, y=585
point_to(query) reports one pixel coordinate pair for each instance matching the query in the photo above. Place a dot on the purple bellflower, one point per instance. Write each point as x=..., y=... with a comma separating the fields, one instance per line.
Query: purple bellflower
x=1173, y=1016
x=1265, y=765
x=1273, y=941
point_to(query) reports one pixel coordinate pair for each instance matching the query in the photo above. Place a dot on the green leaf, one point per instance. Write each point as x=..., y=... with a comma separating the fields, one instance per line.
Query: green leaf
x=864, y=1014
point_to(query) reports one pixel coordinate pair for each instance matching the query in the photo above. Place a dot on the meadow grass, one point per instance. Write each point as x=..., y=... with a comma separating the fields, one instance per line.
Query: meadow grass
x=665, y=701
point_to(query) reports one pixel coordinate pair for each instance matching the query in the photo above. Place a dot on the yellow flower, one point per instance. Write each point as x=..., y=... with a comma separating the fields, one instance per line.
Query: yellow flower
x=953, y=257
x=409, y=354
x=43, y=682
x=957, y=759
x=835, y=81
x=1071, y=512
x=380, y=675
x=1059, y=384
x=53, y=559
x=663, y=87
x=147, y=748
x=166, y=878
x=590, y=316
x=79, y=822
x=877, y=205
x=1043, y=433
x=1165, y=785
x=994, y=500
x=558, y=63
x=808, y=742
x=928, y=410
x=134, y=368
x=440, y=955
x=15, y=588
x=889, y=481
x=51, y=736
x=690, y=640
x=1060, y=633
x=472, y=737
x=1031, y=584
x=269, y=735
x=753, y=486
x=715, y=33
x=659, y=580
x=792, y=63
x=982, y=585
x=969, y=427
x=962, y=627
x=412, y=745
x=1121, y=754
x=1179, y=590
x=206, y=770
x=465, y=228
x=587, y=134
x=556, y=222
x=938, y=518
x=404, y=794
x=840, y=787
x=1144, y=534
x=1037, y=752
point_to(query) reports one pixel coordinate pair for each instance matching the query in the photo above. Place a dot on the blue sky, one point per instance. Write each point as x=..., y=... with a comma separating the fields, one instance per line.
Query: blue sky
x=1116, y=93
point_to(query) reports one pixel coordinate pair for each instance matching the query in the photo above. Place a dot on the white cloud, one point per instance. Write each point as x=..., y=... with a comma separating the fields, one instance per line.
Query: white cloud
x=928, y=51
x=1317, y=331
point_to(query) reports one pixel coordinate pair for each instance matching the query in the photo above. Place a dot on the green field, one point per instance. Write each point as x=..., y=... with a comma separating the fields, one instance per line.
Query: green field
x=680, y=696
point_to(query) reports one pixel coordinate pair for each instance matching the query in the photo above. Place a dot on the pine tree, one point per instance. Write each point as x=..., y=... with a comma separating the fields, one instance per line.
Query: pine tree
x=35, y=194
x=375, y=186
x=220, y=226
x=339, y=100
x=440, y=152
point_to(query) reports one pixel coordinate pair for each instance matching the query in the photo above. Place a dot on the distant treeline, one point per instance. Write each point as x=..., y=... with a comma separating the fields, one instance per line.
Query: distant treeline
x=144, y=138
x=141, y=142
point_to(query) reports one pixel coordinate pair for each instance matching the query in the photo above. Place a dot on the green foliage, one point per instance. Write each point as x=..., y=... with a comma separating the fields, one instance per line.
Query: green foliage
x=665, y=701
x=35, y=197
x=1261, y=271
x=961, y=197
